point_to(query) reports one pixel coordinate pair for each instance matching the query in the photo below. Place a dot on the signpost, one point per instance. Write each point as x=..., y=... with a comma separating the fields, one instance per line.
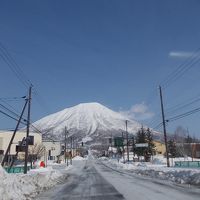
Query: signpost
x=141, y=145
x=118, y=142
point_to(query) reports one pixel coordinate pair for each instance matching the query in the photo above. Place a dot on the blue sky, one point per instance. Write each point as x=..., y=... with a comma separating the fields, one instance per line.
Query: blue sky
x=112, y=52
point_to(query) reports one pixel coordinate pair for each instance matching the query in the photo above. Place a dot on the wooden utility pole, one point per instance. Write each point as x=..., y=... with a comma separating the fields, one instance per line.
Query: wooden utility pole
x=67, y=148
x=127, y=142
x=27, y=130
x=133, y=148
x=164, y=126
x=73, y=146
x=65, y=144
x=71, y=151
x=111, y=147
x=123, y=147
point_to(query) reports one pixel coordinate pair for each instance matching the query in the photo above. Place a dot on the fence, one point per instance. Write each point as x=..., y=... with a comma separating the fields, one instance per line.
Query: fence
x=18, y=169
x=187, y=164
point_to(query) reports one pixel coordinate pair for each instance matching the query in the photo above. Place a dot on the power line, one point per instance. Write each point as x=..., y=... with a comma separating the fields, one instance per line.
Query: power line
x=11, y=98
x=182, y=68
x=171, y=119
x=16, y=69
x=184, y=114
x=158, y=126
x=182, y=106
x=16, y=116
x=7, y=109
x=11, y=116
x=8, y=59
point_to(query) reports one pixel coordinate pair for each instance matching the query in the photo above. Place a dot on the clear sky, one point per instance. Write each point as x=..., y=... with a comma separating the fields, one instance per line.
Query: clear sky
x=109, y=51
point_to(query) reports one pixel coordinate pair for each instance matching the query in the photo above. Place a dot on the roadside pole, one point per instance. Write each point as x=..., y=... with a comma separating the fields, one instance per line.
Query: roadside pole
x=123, y=147
x=65, y=144
x=67, y=150
x=111, y=147
x=27, y=130
x=164, y=126
x=133, y=149
x=71, y=151
x=127, y=142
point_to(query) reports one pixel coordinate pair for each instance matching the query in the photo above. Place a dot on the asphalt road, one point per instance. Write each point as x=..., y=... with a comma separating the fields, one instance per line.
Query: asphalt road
x=93, y=180
x=84, y=183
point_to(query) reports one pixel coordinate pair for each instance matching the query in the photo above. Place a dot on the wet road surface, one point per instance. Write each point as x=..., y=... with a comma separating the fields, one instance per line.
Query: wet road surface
x=93, y=180
x=85, y=184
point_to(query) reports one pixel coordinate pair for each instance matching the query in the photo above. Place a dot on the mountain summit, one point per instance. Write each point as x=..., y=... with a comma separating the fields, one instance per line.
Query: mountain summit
x=87, y=120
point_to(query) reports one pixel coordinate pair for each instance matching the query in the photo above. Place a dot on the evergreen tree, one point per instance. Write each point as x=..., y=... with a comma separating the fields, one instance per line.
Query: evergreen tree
x=149, y=140
x=141, y=138
x=172, y=148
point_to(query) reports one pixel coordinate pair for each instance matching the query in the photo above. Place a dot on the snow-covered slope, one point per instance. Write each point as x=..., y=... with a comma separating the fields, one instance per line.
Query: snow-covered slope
x=87, y=120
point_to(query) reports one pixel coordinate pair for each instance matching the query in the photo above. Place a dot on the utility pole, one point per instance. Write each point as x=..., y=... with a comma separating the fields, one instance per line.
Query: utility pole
x=27, y=130
x=111, y=147
x=127, y=142
x=67, y=149
x=76, y=149
x=73, y=146
x=65, y=144
x=71, y=151
x=123, y=147
x=164, y=126
x=191, y=146
x=133, y=148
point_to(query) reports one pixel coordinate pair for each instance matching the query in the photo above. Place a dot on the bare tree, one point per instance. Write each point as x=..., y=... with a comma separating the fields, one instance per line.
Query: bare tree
x=37, y=150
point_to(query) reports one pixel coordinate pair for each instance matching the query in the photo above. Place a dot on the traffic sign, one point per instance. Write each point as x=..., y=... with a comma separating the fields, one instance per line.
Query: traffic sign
x=141, y=145
x=118, y=141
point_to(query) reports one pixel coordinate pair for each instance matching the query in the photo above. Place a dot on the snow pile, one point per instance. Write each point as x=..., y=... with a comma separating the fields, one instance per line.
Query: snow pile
x=78, y=158
x=86, y=139
x=103, y=158
x=179, y=175
x=26, y=186
x=11, y=186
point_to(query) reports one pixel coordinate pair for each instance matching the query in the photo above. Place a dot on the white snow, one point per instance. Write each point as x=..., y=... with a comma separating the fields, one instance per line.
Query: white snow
x=26, y=186
x=86, y=117
x=158, y=169
x=86, y=139
x=78, y=158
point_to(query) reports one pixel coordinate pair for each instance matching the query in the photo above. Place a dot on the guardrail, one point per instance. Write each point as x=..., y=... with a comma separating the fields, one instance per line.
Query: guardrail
x=187, y=164
x=16, y=169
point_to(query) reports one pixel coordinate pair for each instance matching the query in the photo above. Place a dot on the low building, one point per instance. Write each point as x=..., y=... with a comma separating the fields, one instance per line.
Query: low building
x=5, y=137
x=188, y=149
x=52, y=149
x=160, y=148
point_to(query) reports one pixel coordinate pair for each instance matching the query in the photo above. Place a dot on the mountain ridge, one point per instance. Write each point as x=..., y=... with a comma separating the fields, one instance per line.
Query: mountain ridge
x=88, y=118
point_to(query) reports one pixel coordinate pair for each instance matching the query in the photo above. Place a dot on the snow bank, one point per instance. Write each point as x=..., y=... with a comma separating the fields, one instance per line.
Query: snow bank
x=179, y=175
x=78, y=158
x=26, y=186
x=86, y=139
x=104, y=158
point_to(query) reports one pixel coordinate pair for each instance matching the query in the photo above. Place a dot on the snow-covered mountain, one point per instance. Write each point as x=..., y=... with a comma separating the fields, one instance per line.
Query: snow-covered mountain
x=87, y=121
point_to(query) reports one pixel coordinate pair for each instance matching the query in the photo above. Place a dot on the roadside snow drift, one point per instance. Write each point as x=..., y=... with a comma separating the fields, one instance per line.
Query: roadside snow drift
x=179, y=175
x=21, y=186
x=78, y=158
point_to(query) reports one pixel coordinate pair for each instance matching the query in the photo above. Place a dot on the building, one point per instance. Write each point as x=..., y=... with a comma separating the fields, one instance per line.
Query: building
x=52, y=149
x=188, y=149
x=5, y=137
x=160, y=148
